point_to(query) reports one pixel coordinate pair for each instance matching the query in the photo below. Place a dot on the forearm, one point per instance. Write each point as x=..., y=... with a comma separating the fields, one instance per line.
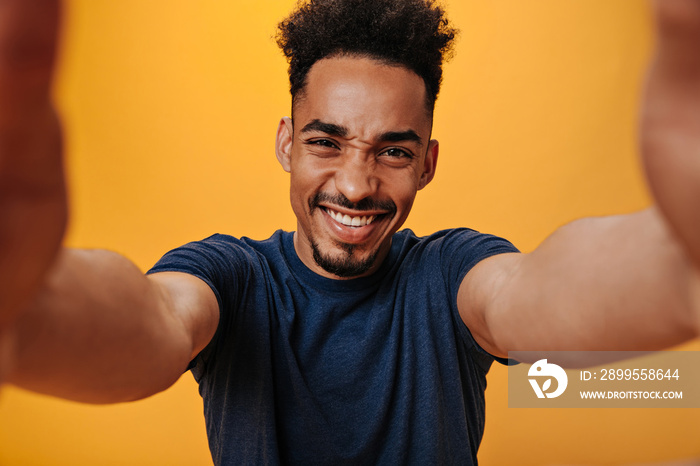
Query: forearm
x=98, y=331
x=617, y=283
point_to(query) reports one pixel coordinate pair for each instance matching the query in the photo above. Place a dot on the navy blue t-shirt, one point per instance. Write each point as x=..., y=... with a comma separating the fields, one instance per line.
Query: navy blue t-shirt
x=309, y=370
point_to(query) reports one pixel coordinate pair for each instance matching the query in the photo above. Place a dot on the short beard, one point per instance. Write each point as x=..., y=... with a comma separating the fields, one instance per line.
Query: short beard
x=346, y=266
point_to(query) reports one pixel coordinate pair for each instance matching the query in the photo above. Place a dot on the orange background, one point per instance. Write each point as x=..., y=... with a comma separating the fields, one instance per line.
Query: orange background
x=171, y=108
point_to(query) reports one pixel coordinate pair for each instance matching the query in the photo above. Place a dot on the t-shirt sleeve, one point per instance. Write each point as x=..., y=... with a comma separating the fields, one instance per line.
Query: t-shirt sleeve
x=461, y=250
x=221, y=263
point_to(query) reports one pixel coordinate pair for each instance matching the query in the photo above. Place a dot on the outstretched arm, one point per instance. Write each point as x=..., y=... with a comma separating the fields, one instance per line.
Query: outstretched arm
x=83, y=325
x=619, y=283
x=629, y=282
x=100, y=331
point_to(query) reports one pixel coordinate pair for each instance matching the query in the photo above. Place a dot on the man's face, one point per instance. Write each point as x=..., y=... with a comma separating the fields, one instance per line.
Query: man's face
x=358, y=151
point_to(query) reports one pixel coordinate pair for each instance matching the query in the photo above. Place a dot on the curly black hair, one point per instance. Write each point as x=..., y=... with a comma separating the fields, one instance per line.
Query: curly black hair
x=411, y=33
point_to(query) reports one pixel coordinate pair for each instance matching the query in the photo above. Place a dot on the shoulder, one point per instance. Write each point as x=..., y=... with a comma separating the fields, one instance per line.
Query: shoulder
x=456, y=245
x=219, y=251
x=449, y=254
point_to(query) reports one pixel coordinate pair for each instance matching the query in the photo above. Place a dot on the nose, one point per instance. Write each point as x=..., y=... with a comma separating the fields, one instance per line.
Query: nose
x=355, y=179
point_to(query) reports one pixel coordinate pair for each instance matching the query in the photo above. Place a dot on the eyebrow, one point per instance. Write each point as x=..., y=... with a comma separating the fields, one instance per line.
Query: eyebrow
x=341, y=131
x=400, y=136
x=328, y=128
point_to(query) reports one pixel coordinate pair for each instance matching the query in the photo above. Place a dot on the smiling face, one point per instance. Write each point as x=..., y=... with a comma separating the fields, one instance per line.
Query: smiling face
x=358, y=151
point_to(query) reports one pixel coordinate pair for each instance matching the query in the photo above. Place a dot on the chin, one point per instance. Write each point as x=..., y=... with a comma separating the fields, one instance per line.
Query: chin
x=345, y=264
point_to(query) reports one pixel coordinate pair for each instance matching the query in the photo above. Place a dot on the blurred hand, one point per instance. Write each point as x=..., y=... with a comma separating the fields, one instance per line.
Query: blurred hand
x=33, y=208
x=671, y=120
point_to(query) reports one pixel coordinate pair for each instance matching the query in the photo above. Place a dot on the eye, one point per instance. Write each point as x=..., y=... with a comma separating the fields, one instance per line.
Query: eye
x=323, y=143
x=395, y=152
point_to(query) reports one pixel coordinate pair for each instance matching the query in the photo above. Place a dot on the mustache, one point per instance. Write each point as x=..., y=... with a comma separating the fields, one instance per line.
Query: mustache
x=340, y=200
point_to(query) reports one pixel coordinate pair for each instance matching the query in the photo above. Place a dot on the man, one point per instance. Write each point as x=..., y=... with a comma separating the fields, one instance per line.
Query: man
x=345, y=342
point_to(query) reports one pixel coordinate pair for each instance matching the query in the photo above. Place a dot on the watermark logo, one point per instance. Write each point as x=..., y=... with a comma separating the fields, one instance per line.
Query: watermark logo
x=542, y=369
x=604, y=379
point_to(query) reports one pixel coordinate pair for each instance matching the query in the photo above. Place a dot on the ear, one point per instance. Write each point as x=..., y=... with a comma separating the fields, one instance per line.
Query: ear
x=283, y=145
x=430, y=163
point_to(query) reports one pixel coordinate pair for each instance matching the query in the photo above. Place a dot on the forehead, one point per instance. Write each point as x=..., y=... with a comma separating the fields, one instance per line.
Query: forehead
x=364, y=95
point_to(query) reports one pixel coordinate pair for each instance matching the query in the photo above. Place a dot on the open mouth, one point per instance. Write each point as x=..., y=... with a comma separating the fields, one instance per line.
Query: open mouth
x=357, y=221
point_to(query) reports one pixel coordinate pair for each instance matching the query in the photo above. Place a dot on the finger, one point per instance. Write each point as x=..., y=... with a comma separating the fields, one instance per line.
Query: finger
x=678, y=27
x=32, y=193
x=30, y=147
x=28, y=36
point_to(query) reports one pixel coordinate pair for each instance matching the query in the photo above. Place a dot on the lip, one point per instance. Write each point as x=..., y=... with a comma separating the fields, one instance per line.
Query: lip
x=349, y=234
x=352, y=213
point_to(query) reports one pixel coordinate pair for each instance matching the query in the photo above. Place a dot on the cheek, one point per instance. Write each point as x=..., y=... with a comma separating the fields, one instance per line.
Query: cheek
x=300, y=175
x=305, y=182
x=402, y=191
x=307, y=178
x=297, y=194
x=404, y=205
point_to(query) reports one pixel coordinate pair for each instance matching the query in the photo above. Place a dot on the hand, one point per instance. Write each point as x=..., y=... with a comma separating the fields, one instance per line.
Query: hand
x=671, y=121
x=32, y=192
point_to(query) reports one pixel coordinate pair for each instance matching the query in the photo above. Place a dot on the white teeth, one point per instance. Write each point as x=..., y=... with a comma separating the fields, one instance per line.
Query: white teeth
x=351, y=221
